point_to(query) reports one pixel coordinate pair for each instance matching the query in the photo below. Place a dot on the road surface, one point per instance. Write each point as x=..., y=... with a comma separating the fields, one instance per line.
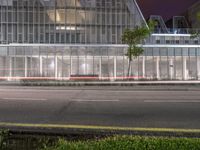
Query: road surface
x=102, y=106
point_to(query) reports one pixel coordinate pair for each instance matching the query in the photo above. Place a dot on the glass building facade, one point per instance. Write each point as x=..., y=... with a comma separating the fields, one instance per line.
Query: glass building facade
x=60, y=39
x=66, y=21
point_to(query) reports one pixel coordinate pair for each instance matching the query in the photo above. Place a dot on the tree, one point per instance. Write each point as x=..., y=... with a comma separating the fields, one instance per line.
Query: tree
x=134, y=37
x=196, y=34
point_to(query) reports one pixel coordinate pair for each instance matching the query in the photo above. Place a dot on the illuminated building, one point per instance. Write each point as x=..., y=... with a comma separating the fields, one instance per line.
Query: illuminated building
x=59, y=39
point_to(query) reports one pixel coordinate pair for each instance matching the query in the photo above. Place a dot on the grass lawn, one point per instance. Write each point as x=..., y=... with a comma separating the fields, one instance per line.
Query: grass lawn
x=130, y=143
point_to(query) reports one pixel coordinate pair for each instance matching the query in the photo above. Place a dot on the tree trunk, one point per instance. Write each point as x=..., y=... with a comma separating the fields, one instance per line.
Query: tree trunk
x=129, y=69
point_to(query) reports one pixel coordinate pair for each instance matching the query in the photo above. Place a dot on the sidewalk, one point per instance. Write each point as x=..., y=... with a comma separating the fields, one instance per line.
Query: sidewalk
x=103, y=85
x=136, y=82
x=107, y=83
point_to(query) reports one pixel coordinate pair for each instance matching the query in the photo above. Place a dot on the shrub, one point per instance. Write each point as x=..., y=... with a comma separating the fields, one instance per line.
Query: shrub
x=130, y=143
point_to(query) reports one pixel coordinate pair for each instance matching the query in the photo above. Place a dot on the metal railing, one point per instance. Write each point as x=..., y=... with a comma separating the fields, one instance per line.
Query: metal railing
x=177, y=31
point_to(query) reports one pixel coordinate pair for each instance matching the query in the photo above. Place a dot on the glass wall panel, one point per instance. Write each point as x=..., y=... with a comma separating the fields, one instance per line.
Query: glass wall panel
x=120, y=67
x=75, y=65
x=59, y=61
x=4, y=61
x=62, y=61
x=89, y=61
x=96, y=66
x=125, y=66
x=81, y=61
x=178, y=64
x=149, y=63
x=192, y=67
x=156, y=67
x=140, y=67
x=89, y=65
x=4, y=66
x=149, y=67
x=82, y=65
x=18, y=64
x=192, y=64
x=97, y=60
x=179, y=67
x=51, y=65
x=105, y=66
x=135, y=69
x=66, y=69
x=33, y=66
x=66, y=62
x=171, y=61
x=67, y=21
x=111, y=67
x=43, y=61
x=164, y=67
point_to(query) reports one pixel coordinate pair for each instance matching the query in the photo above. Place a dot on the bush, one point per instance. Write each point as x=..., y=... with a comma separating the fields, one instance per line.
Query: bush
x=130, y=143
x=4, y=134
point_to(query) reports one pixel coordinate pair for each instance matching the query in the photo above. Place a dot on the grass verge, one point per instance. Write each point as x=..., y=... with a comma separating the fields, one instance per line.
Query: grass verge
x=129, y=143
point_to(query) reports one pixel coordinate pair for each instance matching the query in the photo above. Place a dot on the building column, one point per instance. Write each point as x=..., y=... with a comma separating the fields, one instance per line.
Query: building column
x=198, y=68
x=100, y=69
x=26, y=66
x=184, y=68
x=10, y=68
x=71, y=64
x=171, y=69
x=56, y=67
x=143, y=67
x=115, y=68
x=41, y=66
x=85, y=71
x=158, y=68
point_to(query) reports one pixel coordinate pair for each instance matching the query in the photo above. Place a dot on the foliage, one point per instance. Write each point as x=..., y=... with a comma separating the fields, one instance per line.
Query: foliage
x=4, y=134
x=131, y=143
x=198, y=16
x=134, y=37
x=196, y=34
x=9, y=141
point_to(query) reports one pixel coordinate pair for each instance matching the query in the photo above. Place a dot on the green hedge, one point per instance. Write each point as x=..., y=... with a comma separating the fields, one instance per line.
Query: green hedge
x=4, y=134
x=130, y=143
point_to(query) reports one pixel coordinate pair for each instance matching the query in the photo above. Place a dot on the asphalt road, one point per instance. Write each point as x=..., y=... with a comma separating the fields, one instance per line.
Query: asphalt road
x=152, y=107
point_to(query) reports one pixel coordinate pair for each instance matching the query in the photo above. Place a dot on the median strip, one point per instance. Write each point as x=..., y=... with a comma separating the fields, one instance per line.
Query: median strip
x=92, y=127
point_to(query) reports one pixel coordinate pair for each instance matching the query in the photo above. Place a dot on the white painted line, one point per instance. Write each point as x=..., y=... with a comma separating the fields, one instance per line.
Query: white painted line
x=103, y=100
x=172, y=101
x=35, y=90
x=24, y=99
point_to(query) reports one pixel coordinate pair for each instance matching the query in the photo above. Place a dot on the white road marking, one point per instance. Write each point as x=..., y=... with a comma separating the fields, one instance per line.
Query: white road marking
x=86, y=100
x=35, y=90
x=24, y=99
x=172, y=101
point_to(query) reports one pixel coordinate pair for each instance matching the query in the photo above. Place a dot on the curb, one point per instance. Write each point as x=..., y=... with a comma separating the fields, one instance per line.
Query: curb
x=111, y=83
x=62, y=130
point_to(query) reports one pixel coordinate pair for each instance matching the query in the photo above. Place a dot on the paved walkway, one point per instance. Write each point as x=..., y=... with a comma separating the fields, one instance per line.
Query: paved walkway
x=98, y=83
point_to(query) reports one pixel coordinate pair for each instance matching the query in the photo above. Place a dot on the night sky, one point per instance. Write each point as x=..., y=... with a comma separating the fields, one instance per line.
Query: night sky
x=165, y=8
